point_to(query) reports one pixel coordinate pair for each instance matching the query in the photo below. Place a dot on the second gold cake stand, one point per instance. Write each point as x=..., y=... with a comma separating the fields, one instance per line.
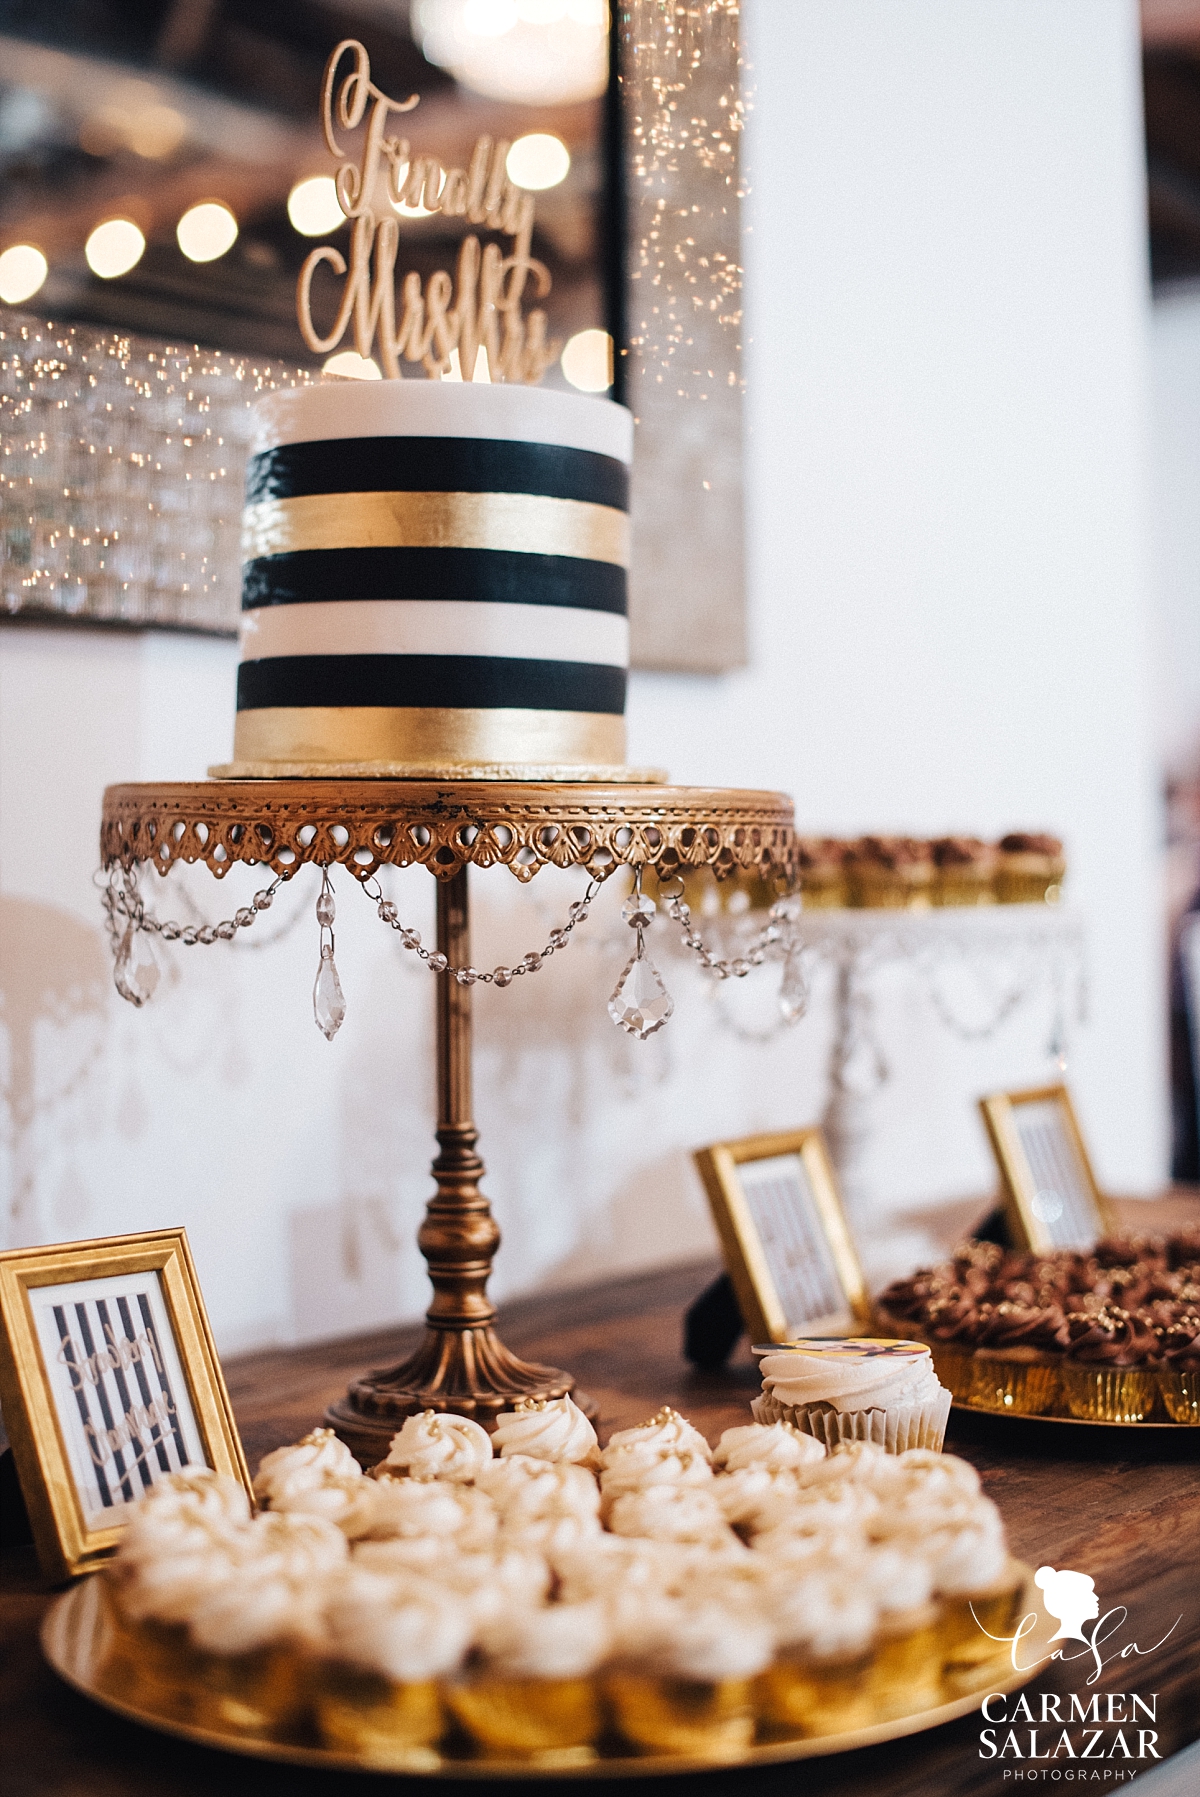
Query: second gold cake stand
x=447, y=827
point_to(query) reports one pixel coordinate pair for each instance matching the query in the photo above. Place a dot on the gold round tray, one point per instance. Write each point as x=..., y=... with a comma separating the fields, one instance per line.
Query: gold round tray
x=1069, y=1422
x=75, y=1641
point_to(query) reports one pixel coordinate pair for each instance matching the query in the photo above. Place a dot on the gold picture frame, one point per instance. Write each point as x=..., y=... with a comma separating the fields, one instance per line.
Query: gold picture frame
x=784, y=1234
x=1048, y=1189
x=109, y=1380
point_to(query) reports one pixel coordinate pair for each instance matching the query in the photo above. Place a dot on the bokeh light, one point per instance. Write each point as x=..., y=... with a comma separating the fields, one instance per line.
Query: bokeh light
x=313, y=206
x=352, y=367
x=22, y=271
x=114, y=248
x=587, y=361
x=537, y=161
x=206, y=231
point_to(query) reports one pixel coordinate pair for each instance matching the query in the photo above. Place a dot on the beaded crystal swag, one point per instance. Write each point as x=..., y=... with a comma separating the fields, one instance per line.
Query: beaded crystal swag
x=640, y=1003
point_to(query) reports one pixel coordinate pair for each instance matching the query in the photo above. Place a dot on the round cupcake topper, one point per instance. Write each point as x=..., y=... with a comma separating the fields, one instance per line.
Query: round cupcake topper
x=850, y=1347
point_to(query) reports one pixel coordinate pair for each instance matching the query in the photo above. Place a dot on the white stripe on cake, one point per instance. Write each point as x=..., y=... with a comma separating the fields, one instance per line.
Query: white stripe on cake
x=435, y=627
x=421, y=408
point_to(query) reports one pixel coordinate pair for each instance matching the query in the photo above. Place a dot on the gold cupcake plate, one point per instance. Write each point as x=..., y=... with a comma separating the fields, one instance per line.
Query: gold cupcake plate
x=76, y=1641
x=1069, y=1422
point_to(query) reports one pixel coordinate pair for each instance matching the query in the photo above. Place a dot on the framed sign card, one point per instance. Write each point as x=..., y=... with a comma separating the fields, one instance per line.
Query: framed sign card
x=793, y=1265
x=1050, y=1193
x=109, y=1381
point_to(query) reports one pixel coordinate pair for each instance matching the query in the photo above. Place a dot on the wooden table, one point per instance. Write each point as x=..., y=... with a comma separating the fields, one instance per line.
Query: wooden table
x=1123, y=1507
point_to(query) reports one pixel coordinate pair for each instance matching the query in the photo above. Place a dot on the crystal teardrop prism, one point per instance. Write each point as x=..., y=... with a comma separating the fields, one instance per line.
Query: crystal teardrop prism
x=793, y=990
x=641, y=1003
x=136, y=972
x=329, y=1003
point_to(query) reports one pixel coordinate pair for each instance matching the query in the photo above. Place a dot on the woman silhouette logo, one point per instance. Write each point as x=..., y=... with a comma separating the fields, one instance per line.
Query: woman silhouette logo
x=1070, y=1597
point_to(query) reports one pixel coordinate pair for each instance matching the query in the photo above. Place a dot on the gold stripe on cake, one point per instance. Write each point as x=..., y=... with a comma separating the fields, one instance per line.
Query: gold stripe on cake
x=527, y=522
x=451, y=735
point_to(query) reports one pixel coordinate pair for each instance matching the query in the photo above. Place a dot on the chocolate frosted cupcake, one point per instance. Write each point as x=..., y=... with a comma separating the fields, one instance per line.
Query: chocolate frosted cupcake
x=1031, y=869
x=822, y=861
x=964, y=871
x=1107, y=1374
x=942, y=1309
x=858, y=1389
x=1179, y=1375
x=891, y=873
x=1016, y=1363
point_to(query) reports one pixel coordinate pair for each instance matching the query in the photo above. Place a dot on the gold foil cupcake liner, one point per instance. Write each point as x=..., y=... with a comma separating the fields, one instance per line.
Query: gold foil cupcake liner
x=978, y=1626
x=953, y=1365
x=387, y=1723
x=906, y=1672
x=259, y=1694
x=1022, y=1388
x=553, y=1721
x=1109, y=1394
x=1180, y=1393
x=814, y=1698
x=698, y=1717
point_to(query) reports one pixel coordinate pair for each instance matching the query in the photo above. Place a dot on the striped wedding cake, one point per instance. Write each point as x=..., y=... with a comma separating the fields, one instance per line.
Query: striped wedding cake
x=434, y=583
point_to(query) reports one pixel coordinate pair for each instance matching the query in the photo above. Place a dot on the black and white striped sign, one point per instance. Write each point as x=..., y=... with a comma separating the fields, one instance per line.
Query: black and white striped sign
x=122, y=1401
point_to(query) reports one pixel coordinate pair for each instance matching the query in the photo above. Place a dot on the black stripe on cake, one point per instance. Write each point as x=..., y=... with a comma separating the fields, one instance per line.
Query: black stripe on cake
x=501, y=576
x=436, y=465
x=475, y=682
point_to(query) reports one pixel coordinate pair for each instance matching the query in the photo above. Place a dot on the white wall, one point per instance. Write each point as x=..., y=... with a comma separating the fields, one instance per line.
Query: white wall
x=1175, y=372
x=947, y=539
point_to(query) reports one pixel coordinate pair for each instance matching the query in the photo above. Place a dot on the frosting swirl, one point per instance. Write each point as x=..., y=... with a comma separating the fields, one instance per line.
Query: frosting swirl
x=851, y=1375
x=770, y=1445
x=669, y=1513
x=410, y=1633
x=552, y=1429
x=438, y=1445
x=665, y=1432
x=563, y=1640
x=641, y=1465
x=828, y=1613
x=706, y=1642
x=288, y=1478
x=524, y=1489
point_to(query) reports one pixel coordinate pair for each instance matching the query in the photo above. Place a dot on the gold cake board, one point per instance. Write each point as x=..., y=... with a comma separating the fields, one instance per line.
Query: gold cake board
x=75, y=1641
x=616, y=775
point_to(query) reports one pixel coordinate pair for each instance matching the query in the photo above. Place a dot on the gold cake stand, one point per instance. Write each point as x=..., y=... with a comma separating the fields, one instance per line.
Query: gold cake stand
x=75, y=1641
x=448, y=826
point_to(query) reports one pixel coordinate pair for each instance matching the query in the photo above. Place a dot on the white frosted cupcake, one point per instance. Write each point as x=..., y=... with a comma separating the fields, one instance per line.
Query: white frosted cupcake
x=906, y=1669
x=253, y=1633
x=774, y=1446
x=639, y=1466
x=682, y=1681
x=388, y=1643
x=859, y=1389
x=180, y=1545
x=311, y=1476
x=670, y=1513
x=419, y=1507
x=437, y=1445
x=665, y=1431
x=553, y=1429
x=533, y=1693
x=824, y=1621
x=976, y=1581
x=524, y=1489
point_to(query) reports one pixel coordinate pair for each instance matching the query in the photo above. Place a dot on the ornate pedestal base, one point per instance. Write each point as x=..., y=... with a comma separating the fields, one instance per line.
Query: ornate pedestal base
x=462, y=1365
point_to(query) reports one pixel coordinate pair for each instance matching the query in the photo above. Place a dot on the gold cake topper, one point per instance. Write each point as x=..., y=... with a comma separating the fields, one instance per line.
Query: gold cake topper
x=481, y=308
